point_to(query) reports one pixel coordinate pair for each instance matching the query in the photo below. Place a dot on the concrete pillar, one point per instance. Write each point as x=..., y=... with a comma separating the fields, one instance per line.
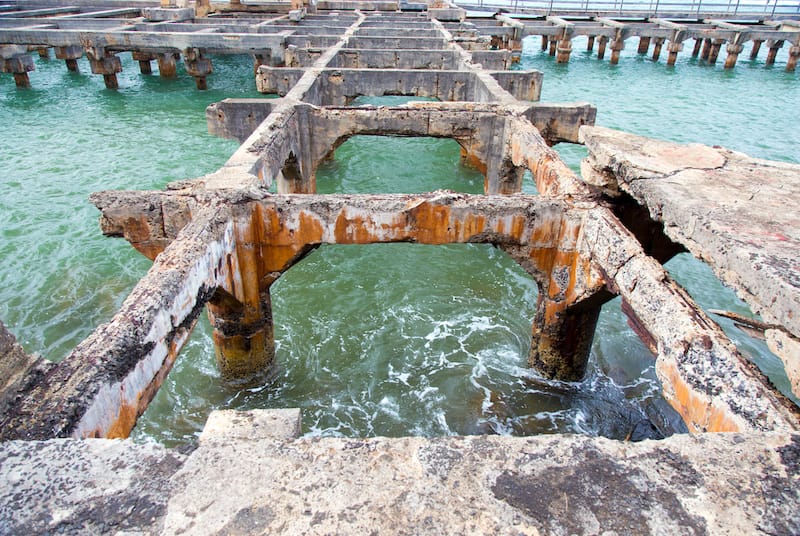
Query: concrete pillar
x=244, y=342
x=105, y=63
x=774, y=47
x=264, y=59
x=144, y=60
x=733, y=54
x=696, y=50
x=562, y=338
x=70, y=55
x=44, y=52
x=716, y=45
x=202, y=7
x=590, y=44
x=564, y=50
x=553, y=45
x=167, y=65
x=794, y=54
x=616, y=46
x=644, y=44
x=198, y=67
x=601, y=47
x=706, y=49
x=19, y=65
x=544, y=42
x=756, y=48
x=657, y=49
x=673, y=49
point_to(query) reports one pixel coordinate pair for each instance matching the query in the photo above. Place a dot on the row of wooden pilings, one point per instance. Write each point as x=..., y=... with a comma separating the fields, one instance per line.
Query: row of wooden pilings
x=707, y=49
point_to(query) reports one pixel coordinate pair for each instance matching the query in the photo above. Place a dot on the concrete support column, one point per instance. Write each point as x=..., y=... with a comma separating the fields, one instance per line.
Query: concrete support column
x=198, y=67
x=794, y=54
x=657, y=49
x=202, y=7
x=102, y=62
x=696, y=50
x=564, y=50
x=601, y=47
x=44, y=52
x=167, y=65
x=590, y=44
x=756, y=48
x=616, y=47
x=244, y=342
x=673, y=49
x=644, y=44
x=553, y=45
x=19, y=65
x=562, y=338
x=144, y=60
x=70, y=55
x=264, y=59
x=716, y=45
x=774, y=47
x=733, y=54
x=544, y=42
x=706, y=49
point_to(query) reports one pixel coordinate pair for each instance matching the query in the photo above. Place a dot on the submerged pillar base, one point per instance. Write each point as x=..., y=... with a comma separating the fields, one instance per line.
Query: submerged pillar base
x=562, y=339
x=244, y=355
x=673, y=49
x=733, y=55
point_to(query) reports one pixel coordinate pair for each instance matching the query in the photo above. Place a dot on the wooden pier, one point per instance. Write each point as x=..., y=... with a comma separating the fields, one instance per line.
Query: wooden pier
x=220, y=241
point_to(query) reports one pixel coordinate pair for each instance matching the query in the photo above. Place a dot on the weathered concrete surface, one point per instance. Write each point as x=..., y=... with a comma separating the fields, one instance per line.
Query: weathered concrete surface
x=702, y=374
x=107, y=381
x=16, y=368
x=97, y=486
x=486, y=485
x=252, y=475
x=238, y=118
x=735, y=212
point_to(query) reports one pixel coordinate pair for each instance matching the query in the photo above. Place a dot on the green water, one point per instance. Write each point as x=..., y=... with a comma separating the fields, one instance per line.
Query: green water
x=370, y=340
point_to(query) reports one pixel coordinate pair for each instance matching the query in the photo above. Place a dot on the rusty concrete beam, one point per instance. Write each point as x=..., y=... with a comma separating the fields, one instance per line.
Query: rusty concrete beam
x=733, y=211
x=238, y=118
x=339, y=86
x=703, y=376
x=107, y=381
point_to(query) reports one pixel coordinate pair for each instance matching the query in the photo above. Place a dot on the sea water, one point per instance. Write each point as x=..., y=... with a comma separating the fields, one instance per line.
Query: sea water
x=389, y=339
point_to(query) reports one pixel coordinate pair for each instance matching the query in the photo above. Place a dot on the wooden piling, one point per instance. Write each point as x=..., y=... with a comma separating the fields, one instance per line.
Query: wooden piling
x=706, y=49
x=544, y=43
x=590, y=44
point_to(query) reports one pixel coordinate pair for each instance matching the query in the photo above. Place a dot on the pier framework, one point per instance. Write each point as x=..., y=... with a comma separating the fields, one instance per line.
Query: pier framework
x=220, y=241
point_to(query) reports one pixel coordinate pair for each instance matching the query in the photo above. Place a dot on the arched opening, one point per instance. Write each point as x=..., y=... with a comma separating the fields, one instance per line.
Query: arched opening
x=393, y=164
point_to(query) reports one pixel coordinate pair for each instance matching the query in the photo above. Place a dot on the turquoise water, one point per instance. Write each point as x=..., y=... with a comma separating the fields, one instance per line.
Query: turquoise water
x=385, y=340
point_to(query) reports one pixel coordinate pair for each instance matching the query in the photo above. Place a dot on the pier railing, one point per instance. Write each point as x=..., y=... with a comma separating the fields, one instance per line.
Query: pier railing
x=651, y=8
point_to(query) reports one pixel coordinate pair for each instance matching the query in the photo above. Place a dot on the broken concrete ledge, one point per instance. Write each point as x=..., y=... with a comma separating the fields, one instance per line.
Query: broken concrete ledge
x=252, y=475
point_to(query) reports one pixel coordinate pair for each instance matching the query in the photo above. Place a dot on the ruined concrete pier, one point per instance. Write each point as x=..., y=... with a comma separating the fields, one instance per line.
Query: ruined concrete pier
x=220, y=241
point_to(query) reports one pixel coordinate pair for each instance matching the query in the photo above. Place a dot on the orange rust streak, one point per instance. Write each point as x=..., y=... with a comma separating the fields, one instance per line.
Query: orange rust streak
x=696, y=409
x=129, y=413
